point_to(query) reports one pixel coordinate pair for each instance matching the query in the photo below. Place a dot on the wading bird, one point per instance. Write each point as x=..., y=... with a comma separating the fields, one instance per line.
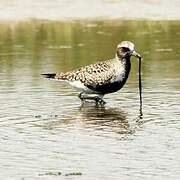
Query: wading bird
x=102, y=77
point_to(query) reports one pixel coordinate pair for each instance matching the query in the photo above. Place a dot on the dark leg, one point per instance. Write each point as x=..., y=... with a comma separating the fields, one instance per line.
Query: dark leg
x=97, y=99
x=81, y=97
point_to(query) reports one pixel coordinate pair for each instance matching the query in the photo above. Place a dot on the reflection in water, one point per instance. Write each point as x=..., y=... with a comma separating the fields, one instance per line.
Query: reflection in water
x=92, y=117
x=105, y=118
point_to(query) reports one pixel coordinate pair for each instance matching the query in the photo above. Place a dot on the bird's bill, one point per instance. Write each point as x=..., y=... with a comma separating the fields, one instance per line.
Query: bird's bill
x=135, y=54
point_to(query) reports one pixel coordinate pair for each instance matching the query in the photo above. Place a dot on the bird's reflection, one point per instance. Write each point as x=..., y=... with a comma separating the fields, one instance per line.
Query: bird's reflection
x=108, y=119
x=91, y=117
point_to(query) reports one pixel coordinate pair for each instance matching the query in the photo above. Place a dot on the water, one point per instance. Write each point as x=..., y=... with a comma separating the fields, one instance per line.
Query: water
x=45, y=133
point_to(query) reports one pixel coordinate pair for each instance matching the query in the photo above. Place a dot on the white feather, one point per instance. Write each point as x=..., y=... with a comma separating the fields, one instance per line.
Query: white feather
x=80, y=86
x=121, y=76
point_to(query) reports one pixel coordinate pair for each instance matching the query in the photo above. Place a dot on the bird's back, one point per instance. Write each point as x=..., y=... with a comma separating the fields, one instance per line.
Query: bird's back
x=102, y=77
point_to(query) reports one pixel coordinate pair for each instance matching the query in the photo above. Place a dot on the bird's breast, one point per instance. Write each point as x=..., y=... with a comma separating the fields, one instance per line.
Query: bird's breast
x=120, y=76
x=118, y=81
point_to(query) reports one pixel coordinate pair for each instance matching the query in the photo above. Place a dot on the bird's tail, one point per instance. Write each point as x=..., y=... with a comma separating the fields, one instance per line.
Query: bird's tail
x=49, y=75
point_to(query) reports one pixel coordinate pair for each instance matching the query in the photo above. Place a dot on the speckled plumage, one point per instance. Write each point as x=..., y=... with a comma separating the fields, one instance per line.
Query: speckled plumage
x=94, y=74
x=102, y=77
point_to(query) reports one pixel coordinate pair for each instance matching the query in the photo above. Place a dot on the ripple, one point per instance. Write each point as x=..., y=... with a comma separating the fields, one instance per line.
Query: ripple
x=44, y=129
x=60, y=47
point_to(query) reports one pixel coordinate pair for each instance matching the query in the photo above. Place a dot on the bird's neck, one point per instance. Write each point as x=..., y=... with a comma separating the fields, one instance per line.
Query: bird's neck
x=125, y=60
x=126, y=63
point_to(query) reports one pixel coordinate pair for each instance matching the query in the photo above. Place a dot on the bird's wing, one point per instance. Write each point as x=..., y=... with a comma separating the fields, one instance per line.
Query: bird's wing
x=91, y=75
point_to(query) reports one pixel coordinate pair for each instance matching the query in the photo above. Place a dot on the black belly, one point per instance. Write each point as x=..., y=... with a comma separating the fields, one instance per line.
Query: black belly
x=113, y=86
x=108, y=87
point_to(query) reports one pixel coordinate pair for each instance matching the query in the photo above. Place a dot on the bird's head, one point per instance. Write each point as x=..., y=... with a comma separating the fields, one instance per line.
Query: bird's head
x=126, y=49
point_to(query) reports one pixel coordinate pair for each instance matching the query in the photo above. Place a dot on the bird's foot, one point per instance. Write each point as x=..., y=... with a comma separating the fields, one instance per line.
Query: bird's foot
x=81, y=97
x=97, y=99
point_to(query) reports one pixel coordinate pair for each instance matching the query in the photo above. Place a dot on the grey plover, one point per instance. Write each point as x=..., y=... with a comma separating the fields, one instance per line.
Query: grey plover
x=102, y=77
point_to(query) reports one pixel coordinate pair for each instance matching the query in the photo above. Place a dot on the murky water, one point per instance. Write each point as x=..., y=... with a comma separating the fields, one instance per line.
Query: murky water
x=45, y=133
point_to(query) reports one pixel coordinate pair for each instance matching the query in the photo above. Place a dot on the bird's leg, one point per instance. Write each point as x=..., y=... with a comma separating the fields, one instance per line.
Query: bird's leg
x=102, y=102
x=84, y=97
x=81, y=96
x=97, y=99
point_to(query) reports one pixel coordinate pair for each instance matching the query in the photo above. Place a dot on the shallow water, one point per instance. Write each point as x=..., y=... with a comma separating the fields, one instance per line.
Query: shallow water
x=45, y=133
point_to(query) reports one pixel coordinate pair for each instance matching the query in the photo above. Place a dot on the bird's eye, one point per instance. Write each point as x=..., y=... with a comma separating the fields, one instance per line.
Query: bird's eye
x=125, y=49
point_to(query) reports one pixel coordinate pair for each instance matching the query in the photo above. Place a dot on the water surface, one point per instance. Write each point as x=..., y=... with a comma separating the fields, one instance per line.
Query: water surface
x=44, y=130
